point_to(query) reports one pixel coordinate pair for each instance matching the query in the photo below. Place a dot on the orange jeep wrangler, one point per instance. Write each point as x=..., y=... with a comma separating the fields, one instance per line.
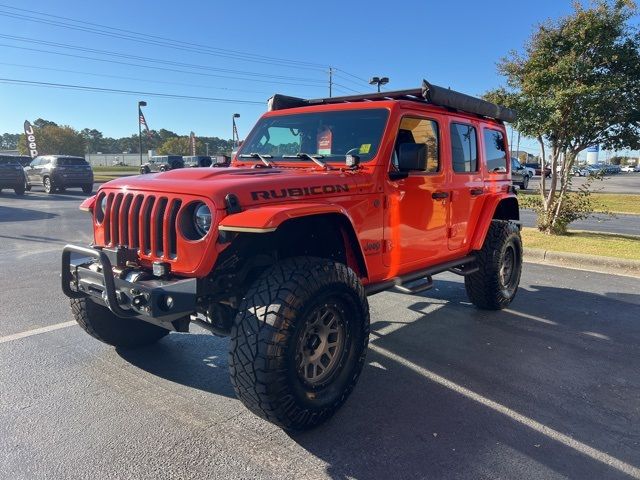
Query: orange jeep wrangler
x=326, y=202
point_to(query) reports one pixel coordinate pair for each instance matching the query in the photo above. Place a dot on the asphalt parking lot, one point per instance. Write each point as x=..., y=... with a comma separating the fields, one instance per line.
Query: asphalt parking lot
x=546, y=389
x=618, y=183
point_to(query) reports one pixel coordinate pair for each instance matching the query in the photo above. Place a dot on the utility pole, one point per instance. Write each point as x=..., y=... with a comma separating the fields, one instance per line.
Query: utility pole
x=330, y=81
x=518, y=149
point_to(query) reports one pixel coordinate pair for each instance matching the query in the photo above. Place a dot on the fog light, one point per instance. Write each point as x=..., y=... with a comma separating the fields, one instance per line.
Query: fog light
x=160, y=269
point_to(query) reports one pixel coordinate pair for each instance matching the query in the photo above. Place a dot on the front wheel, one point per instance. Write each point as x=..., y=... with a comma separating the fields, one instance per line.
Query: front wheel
x=494, y=285
x=299, y=341
x=99, y=322
x=87, y=189
x=525, y=182
x=19, y=190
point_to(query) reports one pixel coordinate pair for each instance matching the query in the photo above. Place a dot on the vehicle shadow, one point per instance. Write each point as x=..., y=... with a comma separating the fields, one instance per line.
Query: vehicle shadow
x=463, y=393
x=194, y=360
x=545, y=389
x=67, y=195
x=18, y=214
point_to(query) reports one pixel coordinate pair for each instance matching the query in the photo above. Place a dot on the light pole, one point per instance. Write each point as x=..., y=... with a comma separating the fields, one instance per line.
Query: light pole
x=234, y=132
x=141, y=104
x=379, y=81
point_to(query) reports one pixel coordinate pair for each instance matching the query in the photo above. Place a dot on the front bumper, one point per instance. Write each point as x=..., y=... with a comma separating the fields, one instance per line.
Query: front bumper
x=103, y=275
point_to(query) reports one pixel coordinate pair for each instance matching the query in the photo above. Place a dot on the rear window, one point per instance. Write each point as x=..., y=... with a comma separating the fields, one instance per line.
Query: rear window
x=9, y=161
x=71, y=161
x=494, y=150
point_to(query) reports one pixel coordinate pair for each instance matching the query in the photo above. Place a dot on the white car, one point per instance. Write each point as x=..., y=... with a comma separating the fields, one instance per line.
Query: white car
x=629, y=168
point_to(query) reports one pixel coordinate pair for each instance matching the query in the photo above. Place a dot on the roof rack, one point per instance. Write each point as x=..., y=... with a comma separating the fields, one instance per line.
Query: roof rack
x=429, y=93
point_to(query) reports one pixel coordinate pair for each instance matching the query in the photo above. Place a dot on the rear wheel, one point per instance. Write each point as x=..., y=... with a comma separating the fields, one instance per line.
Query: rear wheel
x=48, y=186
x=19, y=189
x=495, y=284
x=99, y=322
x=299, y=341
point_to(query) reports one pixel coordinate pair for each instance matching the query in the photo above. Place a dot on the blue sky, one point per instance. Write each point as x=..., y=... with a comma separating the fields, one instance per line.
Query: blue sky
x=455, y=44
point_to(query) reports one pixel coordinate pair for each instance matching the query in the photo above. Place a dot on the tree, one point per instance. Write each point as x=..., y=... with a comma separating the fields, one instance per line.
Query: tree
x=94, y=140
x=180, y=146
x=576, y=85
x=55, y=140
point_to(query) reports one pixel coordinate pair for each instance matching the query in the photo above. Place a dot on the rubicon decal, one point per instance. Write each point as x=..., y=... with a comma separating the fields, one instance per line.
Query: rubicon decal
x=298, y=192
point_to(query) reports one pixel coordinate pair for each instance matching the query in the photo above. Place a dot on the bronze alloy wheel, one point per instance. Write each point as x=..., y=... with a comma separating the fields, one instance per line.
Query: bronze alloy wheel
x=320, y=346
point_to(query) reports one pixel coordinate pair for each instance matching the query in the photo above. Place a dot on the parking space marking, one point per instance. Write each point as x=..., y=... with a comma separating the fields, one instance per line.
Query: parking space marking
x=530, y=317
x=37, y=331
x=549, y=432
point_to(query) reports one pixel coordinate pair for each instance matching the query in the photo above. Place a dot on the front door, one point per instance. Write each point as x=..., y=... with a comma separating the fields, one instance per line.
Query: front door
x=417, y=207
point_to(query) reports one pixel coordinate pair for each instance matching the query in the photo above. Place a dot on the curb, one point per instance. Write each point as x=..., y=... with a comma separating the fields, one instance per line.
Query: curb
x=611, y=265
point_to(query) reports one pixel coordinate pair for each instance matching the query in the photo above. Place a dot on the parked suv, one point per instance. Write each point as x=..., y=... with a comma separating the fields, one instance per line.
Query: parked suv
x=59, y=172
x=162, y=163
x=327, y=201
x=197, y=161
x=520, y=174
x=12, y=174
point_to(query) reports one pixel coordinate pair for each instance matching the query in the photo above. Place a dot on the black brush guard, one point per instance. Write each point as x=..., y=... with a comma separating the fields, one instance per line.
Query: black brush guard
x=131, y=296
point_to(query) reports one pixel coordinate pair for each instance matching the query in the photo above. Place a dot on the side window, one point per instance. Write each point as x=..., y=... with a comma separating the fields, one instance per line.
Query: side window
x=420, y=130
x=464, y=149
x=494, y=150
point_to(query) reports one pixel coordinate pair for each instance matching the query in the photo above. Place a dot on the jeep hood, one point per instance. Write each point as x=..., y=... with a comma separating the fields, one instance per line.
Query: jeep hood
x=250, y=185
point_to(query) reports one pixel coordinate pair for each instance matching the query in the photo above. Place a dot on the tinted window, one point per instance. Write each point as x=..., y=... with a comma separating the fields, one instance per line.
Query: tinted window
x=420, y=130
x=464, y=150
x=71, y=161
x=9, y=161
x=494, y=150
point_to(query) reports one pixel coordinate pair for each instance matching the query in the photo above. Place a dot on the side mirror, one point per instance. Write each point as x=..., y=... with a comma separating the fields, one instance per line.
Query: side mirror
x=412, y=156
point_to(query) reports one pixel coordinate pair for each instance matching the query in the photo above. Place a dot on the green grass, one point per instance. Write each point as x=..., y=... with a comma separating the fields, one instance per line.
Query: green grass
x=117, y=169
x=613, y=202
x=589, y=243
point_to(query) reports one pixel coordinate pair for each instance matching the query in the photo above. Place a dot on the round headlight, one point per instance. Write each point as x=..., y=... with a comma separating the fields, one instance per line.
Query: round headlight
x=202, y=219
x=101, y=208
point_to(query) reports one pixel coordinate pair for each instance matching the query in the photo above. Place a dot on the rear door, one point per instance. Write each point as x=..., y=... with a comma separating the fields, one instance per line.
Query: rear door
x=467, y=183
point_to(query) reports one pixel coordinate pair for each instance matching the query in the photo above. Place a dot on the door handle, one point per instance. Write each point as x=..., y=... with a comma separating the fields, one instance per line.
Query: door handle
x=439, y=195
x=476, y=191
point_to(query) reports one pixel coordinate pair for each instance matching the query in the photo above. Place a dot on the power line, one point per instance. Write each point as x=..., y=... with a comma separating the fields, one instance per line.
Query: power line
x=62, y=70
x=163, y=69
x=154, y=60
x=352, y=75
x=14, y=81
x=160, y=41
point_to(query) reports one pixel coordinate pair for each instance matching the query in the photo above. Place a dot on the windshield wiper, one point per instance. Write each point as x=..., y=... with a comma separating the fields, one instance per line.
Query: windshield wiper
x=263, y=158
x=314, y=158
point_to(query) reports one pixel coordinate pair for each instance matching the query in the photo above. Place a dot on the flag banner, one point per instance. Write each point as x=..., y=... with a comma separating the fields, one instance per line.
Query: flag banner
x=143, y=121
x=31, y=139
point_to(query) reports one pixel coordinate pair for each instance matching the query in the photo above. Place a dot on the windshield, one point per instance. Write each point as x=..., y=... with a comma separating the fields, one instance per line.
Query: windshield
x=329, y=134
x=71, y=161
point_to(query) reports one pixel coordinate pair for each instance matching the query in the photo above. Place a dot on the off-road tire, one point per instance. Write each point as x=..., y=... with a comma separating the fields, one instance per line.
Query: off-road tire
x=267, y=331
x=99, y=322
x=19, y=190
x=48, y=185
x=87, y=189
x=486, y=288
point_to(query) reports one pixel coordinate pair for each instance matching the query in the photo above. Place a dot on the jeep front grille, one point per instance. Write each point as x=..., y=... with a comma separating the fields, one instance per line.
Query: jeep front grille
x=144, y=222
